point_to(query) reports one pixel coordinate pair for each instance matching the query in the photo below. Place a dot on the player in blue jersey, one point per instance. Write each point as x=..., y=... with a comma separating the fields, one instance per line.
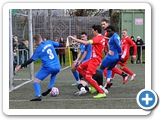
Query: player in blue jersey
x=50, y=65
x=114, y=53
x=84, y=54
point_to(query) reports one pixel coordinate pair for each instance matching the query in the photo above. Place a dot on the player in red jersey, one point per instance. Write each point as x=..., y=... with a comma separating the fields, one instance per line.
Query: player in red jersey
x=126, y=43
x=104, y=24
x=88, y=68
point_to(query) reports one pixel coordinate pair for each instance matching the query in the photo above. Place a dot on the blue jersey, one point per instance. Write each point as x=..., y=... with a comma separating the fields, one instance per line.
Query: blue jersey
x=114, y=45
x=88, y=48
x=82, y=48
x=46, y=52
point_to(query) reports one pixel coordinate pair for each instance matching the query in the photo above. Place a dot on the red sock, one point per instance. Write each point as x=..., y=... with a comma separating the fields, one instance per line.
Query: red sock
x=125, y=69
x=113, y=73
x=117, y=71
x=105, y=73
x=94, y=83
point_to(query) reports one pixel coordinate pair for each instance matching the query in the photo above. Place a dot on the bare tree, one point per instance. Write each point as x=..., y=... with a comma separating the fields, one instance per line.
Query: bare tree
x=84, y=12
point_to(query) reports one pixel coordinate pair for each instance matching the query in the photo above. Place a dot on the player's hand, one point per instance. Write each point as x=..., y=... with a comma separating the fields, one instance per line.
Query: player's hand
x=111, y=52
x=73, y=38
x=17, y=68
x=134, y=57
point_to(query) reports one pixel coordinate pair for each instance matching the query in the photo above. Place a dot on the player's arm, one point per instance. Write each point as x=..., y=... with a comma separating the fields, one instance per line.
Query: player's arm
x=117, y=43
x=79, y=55
x=34, y=57
x=134, y=48
x=83, y=56
x=81, y=41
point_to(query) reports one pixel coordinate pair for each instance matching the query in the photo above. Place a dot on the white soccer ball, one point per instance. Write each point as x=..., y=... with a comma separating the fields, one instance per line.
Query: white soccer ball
x=54, y=92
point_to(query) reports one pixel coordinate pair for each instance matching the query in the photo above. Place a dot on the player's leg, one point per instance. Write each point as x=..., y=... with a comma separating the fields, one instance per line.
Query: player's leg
x=91, y=70
x=75, y=73
x=53, y=71
x=82, y=86
x=127, y=70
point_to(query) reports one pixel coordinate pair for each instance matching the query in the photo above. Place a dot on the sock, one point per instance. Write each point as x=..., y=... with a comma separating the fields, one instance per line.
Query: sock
x=117, y=71
x=52, y=81
x=109, y=73
x=101, y=70
x=94, y=84
x=86, y=87
x=125, y=69
x=105, y=73
x=113, y=73
x=76, y=75
x=80, y=86
x=37, y=89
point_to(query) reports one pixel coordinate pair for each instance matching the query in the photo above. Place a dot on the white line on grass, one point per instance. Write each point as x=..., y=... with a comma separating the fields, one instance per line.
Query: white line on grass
x=18, y=86
x=45, y=100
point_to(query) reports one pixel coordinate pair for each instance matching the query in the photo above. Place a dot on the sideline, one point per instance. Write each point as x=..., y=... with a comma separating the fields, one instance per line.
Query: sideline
x=18, y=86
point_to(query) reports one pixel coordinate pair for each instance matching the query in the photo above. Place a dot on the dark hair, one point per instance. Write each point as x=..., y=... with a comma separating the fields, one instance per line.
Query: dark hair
x=97, y=27
x=104, y=20
x=110, y=27
x=82, y=33
x=132, y=36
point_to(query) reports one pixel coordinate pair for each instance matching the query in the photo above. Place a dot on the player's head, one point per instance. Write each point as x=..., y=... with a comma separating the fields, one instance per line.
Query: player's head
x=111, y=30
x=96, y=29
x=37, y=38
x=104, y=23
x=83, y=35
x=124, y=33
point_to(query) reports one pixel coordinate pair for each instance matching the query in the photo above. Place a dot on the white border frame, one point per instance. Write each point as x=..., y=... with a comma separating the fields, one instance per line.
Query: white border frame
x=102, y=5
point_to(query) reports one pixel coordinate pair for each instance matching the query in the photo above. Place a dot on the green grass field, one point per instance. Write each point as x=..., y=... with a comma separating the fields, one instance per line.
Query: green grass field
x=120, y=96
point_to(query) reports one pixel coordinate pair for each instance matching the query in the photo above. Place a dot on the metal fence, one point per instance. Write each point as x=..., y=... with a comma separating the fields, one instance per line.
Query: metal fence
x=51, y=27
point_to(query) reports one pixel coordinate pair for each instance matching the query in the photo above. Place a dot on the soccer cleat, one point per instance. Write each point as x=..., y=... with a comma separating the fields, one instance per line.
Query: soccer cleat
x=75, y=84
x=46, y=92
x=132, y=77
x=100, y=95
x=37, y=99
x=104, y=90
x=92, y=89
x=80, y=92
x=125, y=79
x=108, y=85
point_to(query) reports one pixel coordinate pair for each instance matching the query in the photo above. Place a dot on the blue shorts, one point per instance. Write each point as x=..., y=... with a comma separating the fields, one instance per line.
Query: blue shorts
x=109, y=62
x=45, y=71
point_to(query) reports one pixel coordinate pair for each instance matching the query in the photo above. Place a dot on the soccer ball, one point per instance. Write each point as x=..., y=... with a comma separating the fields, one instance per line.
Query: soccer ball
x=54, y=92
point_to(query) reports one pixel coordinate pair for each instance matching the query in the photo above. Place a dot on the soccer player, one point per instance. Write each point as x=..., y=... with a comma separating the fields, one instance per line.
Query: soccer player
x=114, y=54
x=104, y=24
x=88, y=68
x=126, y=43
x=84, y=54
x=84, y=87
x=50, y=64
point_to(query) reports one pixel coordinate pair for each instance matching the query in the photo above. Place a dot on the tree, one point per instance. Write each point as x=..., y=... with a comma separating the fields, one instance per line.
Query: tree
x=84, y=12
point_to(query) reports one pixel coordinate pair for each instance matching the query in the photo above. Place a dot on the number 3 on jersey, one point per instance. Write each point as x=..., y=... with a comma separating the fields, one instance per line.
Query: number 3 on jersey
x=49, y=51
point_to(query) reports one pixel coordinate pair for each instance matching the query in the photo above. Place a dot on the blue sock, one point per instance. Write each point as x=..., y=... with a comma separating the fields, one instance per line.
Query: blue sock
x=109, y=73
x=52, y=81
x=101, y=70
x=76, y=75
x=37, y=88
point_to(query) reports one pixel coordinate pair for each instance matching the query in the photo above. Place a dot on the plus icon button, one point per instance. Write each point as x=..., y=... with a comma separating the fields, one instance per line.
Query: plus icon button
x=147, y=99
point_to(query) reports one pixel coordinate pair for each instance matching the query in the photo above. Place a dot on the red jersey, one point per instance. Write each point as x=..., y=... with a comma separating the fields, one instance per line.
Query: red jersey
x=98, y=46
x=106, y=41
x=126, y=43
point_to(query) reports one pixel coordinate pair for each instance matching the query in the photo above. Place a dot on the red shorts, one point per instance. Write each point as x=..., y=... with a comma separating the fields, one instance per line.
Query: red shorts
x=124, y=63
x=91, y=65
